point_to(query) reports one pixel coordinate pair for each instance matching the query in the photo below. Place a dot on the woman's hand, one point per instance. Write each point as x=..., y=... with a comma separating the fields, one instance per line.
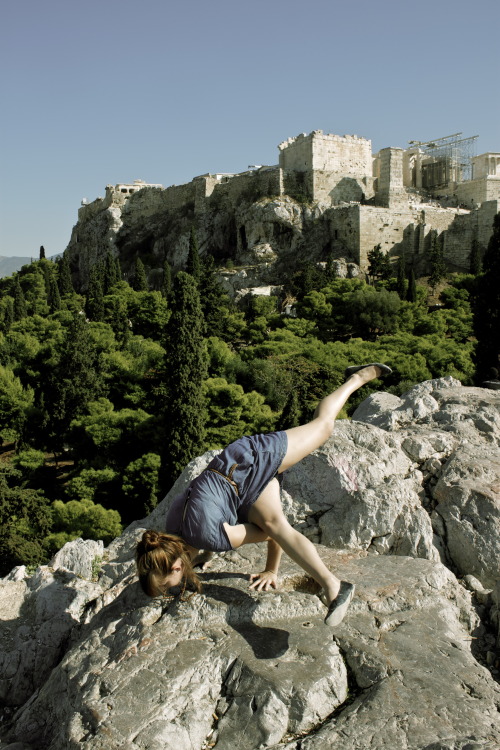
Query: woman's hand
x=264, y=581
x=203, y=559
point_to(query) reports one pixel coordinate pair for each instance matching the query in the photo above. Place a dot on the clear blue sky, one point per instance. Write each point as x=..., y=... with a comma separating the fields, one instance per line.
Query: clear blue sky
x=108, y=91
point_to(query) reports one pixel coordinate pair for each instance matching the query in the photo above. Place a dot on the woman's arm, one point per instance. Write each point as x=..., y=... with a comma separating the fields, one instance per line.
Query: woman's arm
x=269, y=577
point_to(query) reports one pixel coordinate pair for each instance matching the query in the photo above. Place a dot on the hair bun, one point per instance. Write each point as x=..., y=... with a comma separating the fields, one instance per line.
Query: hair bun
x=151, y=539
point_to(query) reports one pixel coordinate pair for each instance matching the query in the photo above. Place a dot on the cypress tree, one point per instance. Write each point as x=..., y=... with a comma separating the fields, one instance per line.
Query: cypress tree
x=42, y=252
x=290, y=416
x=379, y=264
x=411, y=292
x=139, y=280
x=193, y=265
x=8, y=316
x=53, y=296
x=119, y=320
x=73, y=383
x=20, y=309
x=475, y=259
x=118, y=269
x=401, y=279
x=110, y=276
x=185, y=371
x=487, y=308
x=436, y=256
x=166, y=284
x=94, y=302
x=64, y=276
x=212, y=297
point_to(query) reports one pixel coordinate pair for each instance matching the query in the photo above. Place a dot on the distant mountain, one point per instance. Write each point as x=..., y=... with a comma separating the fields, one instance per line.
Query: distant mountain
x=8, y=265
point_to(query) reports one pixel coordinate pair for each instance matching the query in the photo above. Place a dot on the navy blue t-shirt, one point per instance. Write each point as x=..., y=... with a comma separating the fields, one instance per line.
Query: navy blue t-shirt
x=198, y=513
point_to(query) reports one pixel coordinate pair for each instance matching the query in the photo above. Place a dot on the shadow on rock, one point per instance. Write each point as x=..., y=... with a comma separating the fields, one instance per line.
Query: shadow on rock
x=265, y=642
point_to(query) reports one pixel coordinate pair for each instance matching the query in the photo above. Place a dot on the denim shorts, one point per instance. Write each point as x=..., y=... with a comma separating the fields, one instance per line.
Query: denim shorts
x=226, y=490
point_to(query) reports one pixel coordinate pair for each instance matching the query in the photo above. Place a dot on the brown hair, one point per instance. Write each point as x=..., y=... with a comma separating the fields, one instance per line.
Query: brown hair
x=155, y=554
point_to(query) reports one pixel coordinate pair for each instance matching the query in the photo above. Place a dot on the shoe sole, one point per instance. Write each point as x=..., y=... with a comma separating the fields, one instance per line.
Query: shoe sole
x=338, y=608
x=386, y=370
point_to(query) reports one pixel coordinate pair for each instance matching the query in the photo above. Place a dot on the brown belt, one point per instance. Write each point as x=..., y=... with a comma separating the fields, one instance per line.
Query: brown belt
x=229, y=477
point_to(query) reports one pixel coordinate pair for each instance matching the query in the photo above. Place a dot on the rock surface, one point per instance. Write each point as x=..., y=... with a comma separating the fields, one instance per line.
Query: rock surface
x=402, y=502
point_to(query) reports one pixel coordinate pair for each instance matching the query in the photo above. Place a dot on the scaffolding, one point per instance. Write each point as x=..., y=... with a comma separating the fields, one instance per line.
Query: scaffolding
x=446, y=160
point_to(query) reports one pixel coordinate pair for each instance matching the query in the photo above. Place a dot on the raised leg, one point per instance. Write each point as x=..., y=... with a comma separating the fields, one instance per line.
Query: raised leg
x=308, y=437
x=267, y=514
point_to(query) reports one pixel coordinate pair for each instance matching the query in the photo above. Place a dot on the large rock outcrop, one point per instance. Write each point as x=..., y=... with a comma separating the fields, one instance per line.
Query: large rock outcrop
x=401, y=500
x=264, y=237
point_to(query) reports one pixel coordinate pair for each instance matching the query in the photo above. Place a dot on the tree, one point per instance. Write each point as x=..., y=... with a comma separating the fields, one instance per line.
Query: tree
x=291, y=414
x=166, y=284
x=436, y=258
x=185, y=365
x=110, y=274
x=20, y=309
x=475, y=258
x=193, y=264
x=25, y=519
x=139, y=280
x=379, y=264
x=82, y=518
x=73, y=382
x=64, y=276
x=94, y=303
x=8, y=314
x=411, y=291
x=42, y=252
x=401, y=278
x=213, y=298
x=140, y=484
x=53, y=296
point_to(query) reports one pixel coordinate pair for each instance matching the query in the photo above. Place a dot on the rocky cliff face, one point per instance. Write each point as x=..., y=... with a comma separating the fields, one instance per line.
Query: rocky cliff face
x=404, y=500
x=266, y=236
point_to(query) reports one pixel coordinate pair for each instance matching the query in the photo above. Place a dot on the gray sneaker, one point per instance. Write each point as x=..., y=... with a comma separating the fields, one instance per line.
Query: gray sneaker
x=338, y=608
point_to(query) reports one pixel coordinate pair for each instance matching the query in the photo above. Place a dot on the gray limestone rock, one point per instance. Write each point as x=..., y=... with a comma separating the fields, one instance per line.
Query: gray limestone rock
x=96, y=665
x=81, y=557
x=248, y=669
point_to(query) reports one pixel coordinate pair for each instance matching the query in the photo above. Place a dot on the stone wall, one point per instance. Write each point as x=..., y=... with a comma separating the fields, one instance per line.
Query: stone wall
x=346, y=155
x=472, y=192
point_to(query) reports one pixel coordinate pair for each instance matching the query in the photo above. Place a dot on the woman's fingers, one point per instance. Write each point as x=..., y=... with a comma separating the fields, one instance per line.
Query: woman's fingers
x=263, y=581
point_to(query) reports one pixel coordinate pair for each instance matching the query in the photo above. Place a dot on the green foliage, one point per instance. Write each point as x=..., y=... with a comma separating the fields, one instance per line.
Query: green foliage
x=380, y=266
x=291, y=414
x=84, y=486
x=94, y=303
x=139, y=279
x=475, y=259
x=20, y=309
x=166, y=284
x=15, y=401
x=29, y=460
x=82, y=518
x=411, y=291
x=25, y=519
x=64, y=276
x=436, y=259
x=140, y=483
x=193, y=264
x=185, y=368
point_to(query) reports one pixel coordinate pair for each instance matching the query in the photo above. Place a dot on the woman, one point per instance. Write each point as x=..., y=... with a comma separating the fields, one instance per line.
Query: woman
x=236, y=501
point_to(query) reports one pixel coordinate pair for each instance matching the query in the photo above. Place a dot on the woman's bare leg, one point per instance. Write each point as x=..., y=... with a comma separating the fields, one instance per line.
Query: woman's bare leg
x=267, y=514
x=308, y=437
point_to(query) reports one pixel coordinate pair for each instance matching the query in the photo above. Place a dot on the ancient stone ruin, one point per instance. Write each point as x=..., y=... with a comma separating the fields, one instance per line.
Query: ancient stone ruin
x=328, y=197
x=404, y=500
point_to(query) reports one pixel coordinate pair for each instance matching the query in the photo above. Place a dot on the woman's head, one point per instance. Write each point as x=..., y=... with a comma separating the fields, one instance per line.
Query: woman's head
x=163, y=561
